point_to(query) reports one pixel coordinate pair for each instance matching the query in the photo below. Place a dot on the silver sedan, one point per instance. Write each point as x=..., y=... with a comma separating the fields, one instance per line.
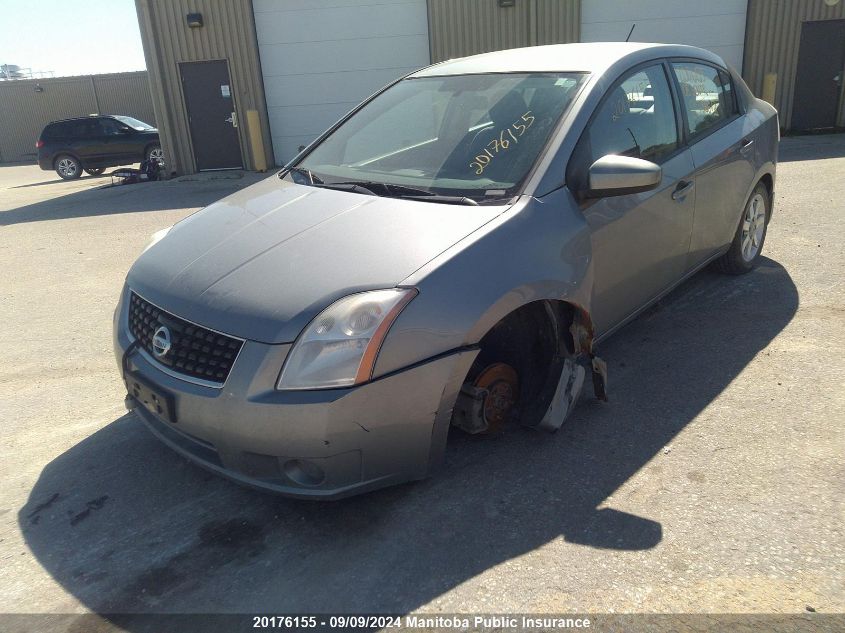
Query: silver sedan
x=447, y=256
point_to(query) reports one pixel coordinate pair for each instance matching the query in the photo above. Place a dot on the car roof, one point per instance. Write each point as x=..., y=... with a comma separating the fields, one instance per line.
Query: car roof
x=82, y=118
x=592, y=57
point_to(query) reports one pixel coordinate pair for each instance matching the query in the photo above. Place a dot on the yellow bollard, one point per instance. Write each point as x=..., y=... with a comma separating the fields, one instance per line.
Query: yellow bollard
x=770, y=82
x=256, y=142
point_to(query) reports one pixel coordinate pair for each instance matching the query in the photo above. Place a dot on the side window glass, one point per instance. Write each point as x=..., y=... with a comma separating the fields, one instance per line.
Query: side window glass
x=730, y=98
x=109, y=127
x=637, y=118
x=78, y=129
x=704, y=96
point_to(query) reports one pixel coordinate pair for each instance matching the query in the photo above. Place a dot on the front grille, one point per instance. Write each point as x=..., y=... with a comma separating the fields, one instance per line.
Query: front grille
x=195, y=351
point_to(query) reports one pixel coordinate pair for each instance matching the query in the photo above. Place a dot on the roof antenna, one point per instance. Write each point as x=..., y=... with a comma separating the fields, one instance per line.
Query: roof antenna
x=633, y=26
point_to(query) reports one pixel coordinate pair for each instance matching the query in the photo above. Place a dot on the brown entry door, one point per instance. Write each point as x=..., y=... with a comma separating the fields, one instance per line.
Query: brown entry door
x=211, y=114
x=818, y=80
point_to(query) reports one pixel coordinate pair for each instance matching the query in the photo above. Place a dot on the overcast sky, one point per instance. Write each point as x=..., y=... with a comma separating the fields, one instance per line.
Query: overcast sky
x=71, y=38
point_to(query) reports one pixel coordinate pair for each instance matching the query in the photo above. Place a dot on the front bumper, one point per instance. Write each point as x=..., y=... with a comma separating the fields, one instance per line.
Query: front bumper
x=312, y=444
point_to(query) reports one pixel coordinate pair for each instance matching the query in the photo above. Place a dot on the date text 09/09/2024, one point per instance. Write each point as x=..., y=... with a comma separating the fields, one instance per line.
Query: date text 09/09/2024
x=419, y=621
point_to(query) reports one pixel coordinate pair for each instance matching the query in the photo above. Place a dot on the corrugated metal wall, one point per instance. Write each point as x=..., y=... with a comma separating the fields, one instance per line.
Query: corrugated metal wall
x=24, y=111
x=468, y=27
x=228, y=33
x=772, y=39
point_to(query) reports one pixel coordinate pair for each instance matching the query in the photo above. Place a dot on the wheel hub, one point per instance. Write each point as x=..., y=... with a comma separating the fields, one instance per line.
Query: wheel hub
x=502, y=385
x=753, y=227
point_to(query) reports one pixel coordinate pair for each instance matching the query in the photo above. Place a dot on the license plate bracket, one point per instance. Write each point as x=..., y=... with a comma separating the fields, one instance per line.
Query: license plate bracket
x=154, y=399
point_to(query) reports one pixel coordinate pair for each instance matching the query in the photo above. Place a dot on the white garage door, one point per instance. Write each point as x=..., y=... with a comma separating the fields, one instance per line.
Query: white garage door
x=717, y=25
x=320, y=58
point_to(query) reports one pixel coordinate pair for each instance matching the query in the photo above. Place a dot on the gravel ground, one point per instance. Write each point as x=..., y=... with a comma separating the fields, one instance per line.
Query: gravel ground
x=712, y=481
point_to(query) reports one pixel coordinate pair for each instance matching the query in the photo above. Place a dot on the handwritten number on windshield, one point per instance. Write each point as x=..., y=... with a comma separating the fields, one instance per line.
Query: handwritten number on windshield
x=508, y=136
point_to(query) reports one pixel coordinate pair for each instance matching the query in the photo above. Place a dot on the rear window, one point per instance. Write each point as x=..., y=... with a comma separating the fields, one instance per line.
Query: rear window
x=54, y=130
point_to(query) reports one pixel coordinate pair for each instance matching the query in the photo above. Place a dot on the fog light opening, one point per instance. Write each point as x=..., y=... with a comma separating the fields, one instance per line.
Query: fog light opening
x=304, y=472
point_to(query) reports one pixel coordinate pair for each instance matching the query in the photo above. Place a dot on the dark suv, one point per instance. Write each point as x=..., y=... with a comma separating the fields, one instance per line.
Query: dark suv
x=95, y=142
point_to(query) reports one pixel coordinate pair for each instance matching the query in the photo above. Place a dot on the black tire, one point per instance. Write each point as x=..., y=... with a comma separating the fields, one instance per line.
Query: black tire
x=67, y=167
x=748, y=243
x=95, y=171
x=154, y=152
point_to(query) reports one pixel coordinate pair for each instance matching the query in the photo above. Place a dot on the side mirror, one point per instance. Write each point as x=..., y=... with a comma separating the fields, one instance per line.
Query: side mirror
x=613, y=175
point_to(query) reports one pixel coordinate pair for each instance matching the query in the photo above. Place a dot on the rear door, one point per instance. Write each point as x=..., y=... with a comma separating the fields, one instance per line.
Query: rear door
x=85, y=141
x=723, y=148
x=640, y=241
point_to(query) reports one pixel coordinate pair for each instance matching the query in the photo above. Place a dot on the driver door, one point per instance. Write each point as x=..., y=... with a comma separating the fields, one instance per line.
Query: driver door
x=118, y=141
x=639, y=241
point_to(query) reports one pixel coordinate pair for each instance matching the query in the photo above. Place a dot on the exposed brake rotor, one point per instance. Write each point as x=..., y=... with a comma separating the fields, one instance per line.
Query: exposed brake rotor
x=501, y=383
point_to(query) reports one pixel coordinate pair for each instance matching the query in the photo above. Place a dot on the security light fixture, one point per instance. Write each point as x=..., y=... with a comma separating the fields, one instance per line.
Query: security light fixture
x=195, y=20
x=39, y=88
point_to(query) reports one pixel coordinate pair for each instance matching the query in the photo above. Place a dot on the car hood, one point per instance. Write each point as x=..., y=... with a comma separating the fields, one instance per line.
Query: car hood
x=260, y=264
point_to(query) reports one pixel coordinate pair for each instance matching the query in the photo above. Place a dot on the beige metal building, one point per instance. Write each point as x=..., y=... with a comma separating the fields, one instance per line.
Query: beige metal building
x=237, y=83
x=173, y=46
x=802, y=44
x=27, y=105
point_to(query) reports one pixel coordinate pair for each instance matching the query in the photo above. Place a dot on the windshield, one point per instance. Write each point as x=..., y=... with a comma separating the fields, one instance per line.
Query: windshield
x=474, y=136
x=134, y=123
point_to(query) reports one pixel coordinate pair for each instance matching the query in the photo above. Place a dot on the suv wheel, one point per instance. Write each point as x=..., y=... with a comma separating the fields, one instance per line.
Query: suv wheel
x=95, y=171
x=154, y=153
x=68, y=167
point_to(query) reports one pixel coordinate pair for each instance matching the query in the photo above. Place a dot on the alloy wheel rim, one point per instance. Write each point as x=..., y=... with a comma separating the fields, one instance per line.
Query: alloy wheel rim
x=753, y=227
x=67, y=167
x=157, y=155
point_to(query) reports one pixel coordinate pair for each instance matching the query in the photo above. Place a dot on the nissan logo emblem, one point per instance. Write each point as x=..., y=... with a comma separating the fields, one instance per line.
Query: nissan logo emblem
x=161, y=342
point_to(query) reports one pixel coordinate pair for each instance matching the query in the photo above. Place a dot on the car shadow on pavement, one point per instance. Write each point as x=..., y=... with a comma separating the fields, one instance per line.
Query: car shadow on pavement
x=112, y=200
x=125, y=525
x=56, y=180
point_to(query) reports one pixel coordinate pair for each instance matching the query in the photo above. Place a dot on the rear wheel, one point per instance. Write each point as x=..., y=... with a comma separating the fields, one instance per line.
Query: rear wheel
x=95, y=171
x=750, y=234
x=67, y=167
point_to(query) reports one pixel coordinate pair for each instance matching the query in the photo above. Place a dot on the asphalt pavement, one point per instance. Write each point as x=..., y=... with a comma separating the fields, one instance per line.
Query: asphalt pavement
x=712, y=480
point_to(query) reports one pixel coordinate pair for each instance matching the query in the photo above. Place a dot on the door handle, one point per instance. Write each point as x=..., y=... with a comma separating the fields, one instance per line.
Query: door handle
x=233, y=119
x=746, y=146
x=683, y=188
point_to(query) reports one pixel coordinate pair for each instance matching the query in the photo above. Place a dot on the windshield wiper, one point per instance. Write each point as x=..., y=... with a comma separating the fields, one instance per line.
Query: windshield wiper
x=385, y=188
x=398, y=191
x=436, y=197
x=355, y=187
x=312, y=179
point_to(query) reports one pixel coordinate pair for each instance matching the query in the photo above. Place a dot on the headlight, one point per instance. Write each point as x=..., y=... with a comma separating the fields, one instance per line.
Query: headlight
x=339, y=347
x=156, y=237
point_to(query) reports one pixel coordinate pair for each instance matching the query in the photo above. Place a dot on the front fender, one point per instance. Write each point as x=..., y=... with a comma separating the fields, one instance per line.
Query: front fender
x=539, y=249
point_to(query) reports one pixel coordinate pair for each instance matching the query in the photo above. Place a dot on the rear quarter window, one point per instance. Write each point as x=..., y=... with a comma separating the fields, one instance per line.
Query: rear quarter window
x=54, y=130
x=70, y=129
